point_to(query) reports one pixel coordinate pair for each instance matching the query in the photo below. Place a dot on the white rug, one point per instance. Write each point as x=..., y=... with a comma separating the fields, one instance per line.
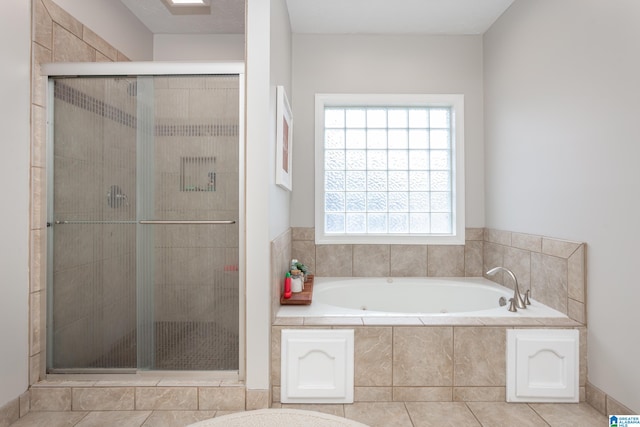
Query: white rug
x=278, y=418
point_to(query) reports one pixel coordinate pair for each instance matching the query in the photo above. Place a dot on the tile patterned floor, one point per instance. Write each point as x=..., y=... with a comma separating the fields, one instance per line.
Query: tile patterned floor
x=374, y=414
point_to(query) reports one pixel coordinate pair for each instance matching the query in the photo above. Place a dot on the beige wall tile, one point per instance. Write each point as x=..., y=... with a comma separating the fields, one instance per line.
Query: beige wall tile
x=25, y=403
x=275, y=394
x=276, y=340
x=528, y=242
x=38, y=198
x=408, y=260
x=102, y=58
x=576, y=311
x=473, y=258
x=50, y=399
x=596, y=398
x=36, y=311
x=221, y=398
x=493, y=255
x=371, y=260
x=549, y=281
x=474, y=234
x=305, y=252
x=334, y=260
x=303, y=233
x=372, y=394
x=42, y=25
x=583, y=356
x=479, y=356
x=422, y=394
x=577, y=275
x=479, y=394
x=98, y=43
x=40, y=55
x=64, y=19
x=445, y=261
x=617, y=408
x=519, y=262
x=9, y=413
x=422, y=356
x=166, y=398
x=500, y=237
x=34, y=368
x=559, y=248
x=442, y=413
x=257, y=399
x=373, y=356
x=67, y=47
x=103, y=399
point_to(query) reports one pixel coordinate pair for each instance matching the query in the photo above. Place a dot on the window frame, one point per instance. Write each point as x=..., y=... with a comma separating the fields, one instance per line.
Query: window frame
x=453, y=101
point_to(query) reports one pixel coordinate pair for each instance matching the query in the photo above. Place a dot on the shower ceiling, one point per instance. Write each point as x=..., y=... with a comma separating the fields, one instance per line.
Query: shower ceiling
x=334, y=16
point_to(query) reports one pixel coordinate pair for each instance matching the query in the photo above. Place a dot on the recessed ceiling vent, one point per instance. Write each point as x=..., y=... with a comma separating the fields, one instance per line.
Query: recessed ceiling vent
x=188, y=7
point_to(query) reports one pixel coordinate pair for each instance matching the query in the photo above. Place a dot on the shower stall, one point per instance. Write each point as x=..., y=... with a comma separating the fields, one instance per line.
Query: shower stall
x=145, y=189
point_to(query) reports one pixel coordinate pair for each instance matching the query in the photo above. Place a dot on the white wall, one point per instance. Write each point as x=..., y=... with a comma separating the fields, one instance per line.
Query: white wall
x=280, y=72
x=198, y=47
x=115, y=23
x=562, y=155
x=385, y=64
x=15, y=45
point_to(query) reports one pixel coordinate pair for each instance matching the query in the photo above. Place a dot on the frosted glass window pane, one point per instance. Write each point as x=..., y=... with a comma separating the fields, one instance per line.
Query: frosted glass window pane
x=398, y=160
x=398, y=181
x=334, y=159
x=418, y=118
x=377, y=202
x=356, y=118
x=398, y=202
x=377, y=223
x=334, y=139
x=377, y=159
x=398, y=139
x=398, y=223
x=376, y=118
x=440, y=202
x=419, y=201
x=356, y=139
x=398, y=118
x=376, y=139
x=418, y=181
x=334, y=118
x=439, y=118
x=419, y=160
x=356, y=202
x=334, y=222
x=356, y=223
x=356, y=181
x=377, y=181
x=334, y=180
x=441, y=223
x=356, y=159
x=440, y=160
x=333, y=202
x=419, y=223
x=440, y=181
x=440, y=139
x=418, y=138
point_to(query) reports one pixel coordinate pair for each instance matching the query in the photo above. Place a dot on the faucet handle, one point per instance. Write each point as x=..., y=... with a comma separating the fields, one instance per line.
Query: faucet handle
x=526, y=297
x=512, y=305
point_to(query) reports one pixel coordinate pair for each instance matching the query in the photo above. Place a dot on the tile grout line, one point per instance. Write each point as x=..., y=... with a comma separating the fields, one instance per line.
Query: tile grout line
x=538, y=414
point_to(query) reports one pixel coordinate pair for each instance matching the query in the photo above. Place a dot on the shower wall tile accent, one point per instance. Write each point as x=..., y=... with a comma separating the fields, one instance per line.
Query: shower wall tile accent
x=553, y=269
x=56, y=36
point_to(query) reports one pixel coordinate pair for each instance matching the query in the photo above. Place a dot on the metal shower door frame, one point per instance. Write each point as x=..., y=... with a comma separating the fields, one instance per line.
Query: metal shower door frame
x=150, y=69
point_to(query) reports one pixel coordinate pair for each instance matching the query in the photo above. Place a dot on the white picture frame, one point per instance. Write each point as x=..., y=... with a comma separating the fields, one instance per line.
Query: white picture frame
x=284, y=139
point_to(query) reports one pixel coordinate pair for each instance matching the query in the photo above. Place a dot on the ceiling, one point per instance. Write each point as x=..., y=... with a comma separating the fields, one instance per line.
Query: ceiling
x=334, y=16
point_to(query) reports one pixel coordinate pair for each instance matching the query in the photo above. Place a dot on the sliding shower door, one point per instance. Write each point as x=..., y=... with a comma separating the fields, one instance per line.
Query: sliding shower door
x=143, y=223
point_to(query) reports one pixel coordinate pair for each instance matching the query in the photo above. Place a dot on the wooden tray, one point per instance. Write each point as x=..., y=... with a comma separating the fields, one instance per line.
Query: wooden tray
x=300, y=298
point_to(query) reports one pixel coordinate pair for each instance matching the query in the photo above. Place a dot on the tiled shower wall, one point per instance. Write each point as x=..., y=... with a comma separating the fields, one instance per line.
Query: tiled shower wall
x=56, y=37
x=553, y=269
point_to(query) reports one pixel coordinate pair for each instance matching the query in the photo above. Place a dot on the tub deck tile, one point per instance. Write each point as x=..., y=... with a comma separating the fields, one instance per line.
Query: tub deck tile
x=333, y=321
x=391, y=321
x=450, y=321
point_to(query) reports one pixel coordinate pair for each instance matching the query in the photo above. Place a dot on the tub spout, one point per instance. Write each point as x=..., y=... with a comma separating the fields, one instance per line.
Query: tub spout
x=516, y=292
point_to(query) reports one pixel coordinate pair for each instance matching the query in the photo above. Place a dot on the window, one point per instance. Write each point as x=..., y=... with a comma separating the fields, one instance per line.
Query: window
x=389, y=169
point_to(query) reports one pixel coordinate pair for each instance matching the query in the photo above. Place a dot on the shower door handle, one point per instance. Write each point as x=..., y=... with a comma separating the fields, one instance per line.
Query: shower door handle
x=192, y=222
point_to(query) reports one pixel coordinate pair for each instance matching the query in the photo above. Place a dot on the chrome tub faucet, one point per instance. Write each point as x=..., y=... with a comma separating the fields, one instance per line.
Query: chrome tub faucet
x=517, y=298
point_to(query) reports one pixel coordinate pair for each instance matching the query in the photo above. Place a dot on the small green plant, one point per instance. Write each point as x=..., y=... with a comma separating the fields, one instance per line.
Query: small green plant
x=300, y=266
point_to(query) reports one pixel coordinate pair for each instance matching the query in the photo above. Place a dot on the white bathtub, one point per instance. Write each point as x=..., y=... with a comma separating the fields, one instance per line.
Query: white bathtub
x=411, y=296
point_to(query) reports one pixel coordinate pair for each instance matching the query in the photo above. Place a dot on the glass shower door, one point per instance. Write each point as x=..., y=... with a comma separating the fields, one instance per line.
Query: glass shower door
x=143, y=217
